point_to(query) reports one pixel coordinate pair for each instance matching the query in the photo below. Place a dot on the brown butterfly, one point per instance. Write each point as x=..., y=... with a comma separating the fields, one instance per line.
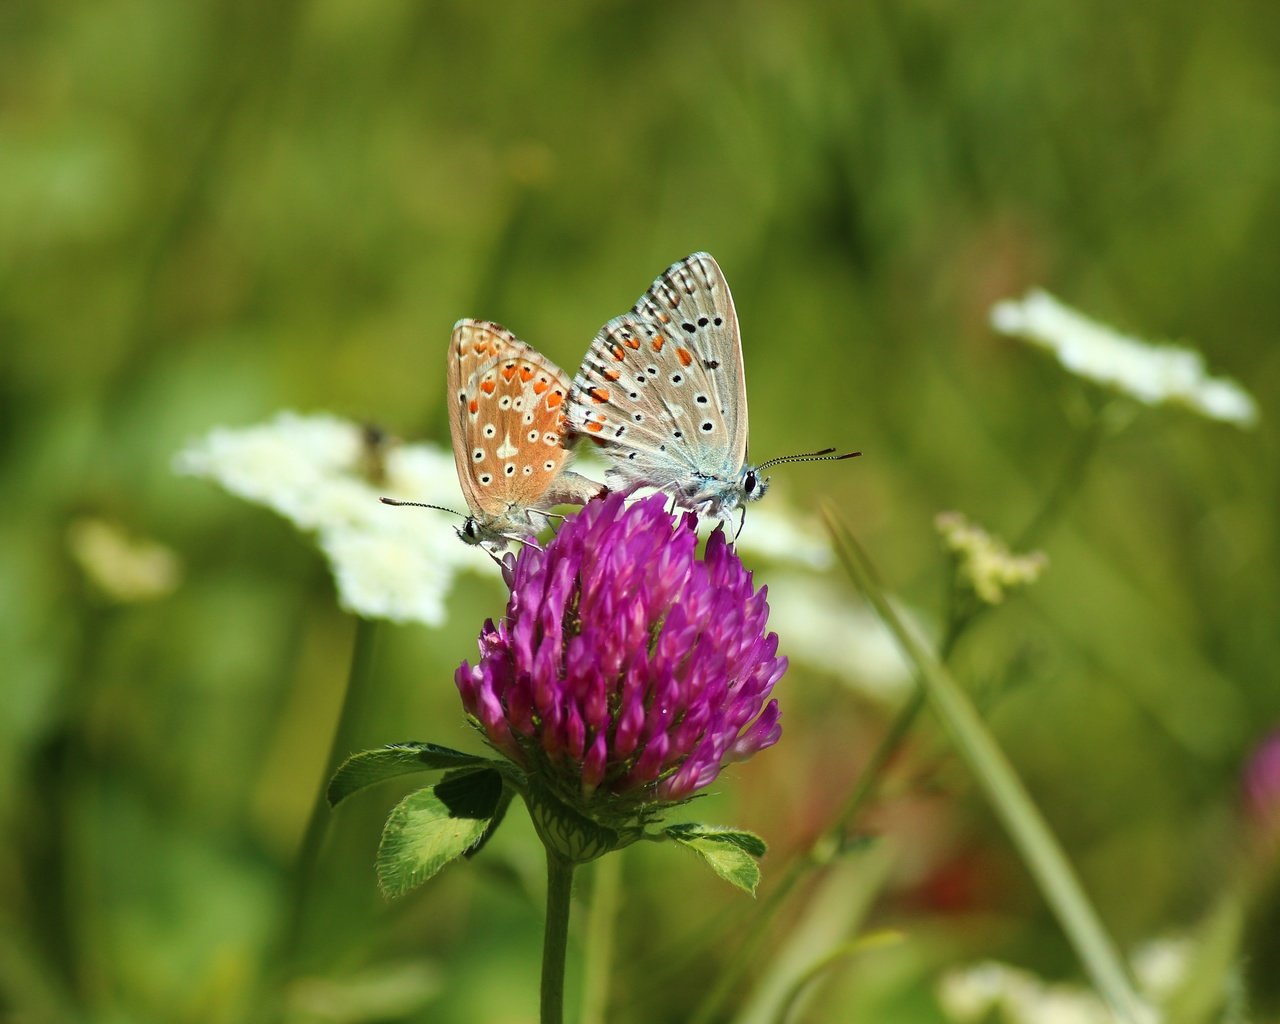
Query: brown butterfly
x=507, y=409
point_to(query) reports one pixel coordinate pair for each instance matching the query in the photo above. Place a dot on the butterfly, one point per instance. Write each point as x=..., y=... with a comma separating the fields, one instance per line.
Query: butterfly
x=507, y=418
x=663, y=394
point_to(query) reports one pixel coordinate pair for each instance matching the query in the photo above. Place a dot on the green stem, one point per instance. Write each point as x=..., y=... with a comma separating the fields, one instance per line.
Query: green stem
x=962, y=611
x=599, y=948
x=1021, y=817
x=555, y=940
x=354, y=700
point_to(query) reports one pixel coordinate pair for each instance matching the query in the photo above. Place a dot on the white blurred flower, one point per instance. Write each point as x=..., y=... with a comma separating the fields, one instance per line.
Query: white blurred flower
x=125, y=569
x=389, y=563
x=972, y=993
x=1161, y=965
x=1152, y=374
x=823, y=627
x=984, y=561
x=782, y=535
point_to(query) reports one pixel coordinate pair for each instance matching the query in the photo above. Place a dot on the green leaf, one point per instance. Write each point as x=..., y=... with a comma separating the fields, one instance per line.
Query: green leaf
x=371, y=766
x=433, y=826
x=500, y=812
x=730, y=852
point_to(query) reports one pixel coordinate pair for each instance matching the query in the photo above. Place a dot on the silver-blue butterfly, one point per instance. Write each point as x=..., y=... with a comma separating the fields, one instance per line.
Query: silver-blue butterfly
x=663, y=394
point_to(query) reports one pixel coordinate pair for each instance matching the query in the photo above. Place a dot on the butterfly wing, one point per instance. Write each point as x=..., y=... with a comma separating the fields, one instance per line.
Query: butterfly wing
x=662, y=390
x=507, y=417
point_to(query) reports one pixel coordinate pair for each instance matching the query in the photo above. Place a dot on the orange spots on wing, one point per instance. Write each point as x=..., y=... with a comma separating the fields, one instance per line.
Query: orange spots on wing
x=555, y=399
x=541, y=385
x=618, y=354
x=595, y=427
x=663, y=318
x=487, y=386
x=632, y=342
x=658, y=342
x=526, y=374
x=612, y=374
x=599, y=395
x=685, y=356
x=474, y=407
x=508, y=371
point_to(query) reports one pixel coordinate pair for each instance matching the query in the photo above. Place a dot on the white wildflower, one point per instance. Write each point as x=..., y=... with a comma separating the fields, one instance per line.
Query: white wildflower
x=1019, y=997
x=389, y=563
x=781, y=535
x=971, y=993
x=1161, y=965
x=984, y=561
x=825, y=629
x=1152, y=374
x=125, y=569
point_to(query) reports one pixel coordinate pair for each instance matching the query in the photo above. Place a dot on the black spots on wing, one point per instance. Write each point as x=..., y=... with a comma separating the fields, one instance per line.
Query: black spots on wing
x=707, y=426
x=638, y=417
x=677, y=434
x=701, y=399
x=620, y=431
x=676, y=379
x=718, y=322
x=689, y=327
x=631, y=455
x=711, y=364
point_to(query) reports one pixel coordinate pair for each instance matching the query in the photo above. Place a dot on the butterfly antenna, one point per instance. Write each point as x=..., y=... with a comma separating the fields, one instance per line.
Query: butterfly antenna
x=741, y=522
x=419, y=504
x=825, y=455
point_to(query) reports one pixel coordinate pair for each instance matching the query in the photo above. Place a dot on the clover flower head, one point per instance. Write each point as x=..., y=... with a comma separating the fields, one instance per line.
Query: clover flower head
x=325, y=475
x=985, y=562
x=1153, y=374
x=628, y=670
x=1261, y=794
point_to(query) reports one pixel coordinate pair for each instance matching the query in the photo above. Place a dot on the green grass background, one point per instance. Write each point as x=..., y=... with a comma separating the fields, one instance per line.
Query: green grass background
x=210, y=211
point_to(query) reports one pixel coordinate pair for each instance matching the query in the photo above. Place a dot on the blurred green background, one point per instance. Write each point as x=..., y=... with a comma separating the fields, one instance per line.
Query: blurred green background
x=210, y=211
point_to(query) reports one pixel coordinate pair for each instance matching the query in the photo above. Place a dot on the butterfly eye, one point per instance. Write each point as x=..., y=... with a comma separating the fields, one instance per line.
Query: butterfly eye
x=754, y=485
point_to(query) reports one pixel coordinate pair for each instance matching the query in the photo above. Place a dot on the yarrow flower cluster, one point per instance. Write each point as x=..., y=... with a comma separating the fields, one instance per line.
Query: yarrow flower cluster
x=1153, y=374
x=985, y=562
x=325, y=475
x=993, y=990
x=627, y=671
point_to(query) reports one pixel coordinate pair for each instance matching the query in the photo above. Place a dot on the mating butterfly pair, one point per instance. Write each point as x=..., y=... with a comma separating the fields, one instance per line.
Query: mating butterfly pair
x=661, y=392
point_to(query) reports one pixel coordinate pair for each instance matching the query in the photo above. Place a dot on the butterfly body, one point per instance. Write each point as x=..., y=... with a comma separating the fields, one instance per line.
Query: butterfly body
x=508, y=418
x=663, y=395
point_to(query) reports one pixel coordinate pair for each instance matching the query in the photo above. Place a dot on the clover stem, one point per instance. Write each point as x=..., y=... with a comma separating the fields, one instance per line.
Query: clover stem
x=555, y=939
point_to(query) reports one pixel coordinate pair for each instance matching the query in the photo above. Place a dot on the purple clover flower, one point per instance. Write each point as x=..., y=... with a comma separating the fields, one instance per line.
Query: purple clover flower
x=627, y=671
x=1262, y=788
